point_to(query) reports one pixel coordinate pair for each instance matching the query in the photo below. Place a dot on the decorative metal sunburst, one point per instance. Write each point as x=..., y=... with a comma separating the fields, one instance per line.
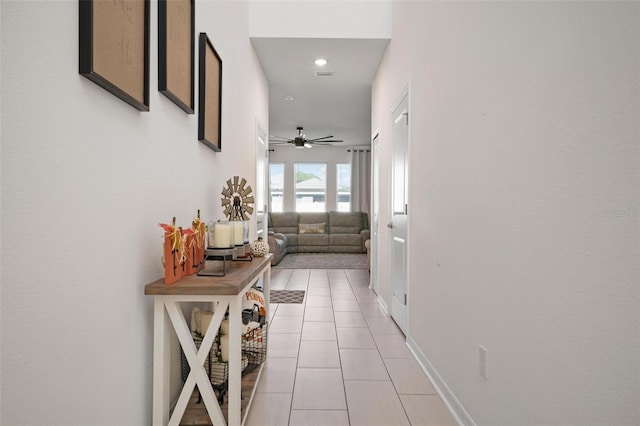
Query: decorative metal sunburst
x=236, y=200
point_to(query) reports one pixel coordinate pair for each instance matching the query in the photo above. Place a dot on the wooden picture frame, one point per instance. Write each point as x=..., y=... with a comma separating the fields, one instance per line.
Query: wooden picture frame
x=114, y=48
x=176, y=50
x=209, y=95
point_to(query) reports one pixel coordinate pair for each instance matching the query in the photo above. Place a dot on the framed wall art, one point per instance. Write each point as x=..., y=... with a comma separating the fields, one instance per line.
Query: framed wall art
x=176, y=50
x=209, y=94
x=114, y=48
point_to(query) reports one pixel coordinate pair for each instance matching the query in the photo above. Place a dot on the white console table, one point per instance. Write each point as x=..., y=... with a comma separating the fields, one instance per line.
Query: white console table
x=223, y=292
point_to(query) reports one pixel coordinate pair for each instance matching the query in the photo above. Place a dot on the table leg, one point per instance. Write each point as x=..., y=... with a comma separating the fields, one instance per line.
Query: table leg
x=161, y=366
x=266, y=287
x=235, y=359
x=196, y=359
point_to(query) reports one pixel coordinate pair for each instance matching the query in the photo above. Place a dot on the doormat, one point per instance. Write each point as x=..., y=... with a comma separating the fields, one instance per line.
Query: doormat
x=286, y=296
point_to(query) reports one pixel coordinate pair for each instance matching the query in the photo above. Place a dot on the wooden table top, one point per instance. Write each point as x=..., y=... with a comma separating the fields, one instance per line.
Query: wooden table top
x=238, y=275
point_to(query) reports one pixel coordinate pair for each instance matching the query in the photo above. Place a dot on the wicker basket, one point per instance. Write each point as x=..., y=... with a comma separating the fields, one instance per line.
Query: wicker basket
x=254, y=347
x=254, y=352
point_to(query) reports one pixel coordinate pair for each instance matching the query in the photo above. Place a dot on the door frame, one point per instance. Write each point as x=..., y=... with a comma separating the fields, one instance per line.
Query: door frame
x=262, y=154
x=405, y=93
x=374, y=273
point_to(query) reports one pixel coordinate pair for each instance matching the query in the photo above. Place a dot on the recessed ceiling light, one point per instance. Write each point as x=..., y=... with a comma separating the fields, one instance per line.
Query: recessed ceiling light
x=321, y=62
x=288, y=98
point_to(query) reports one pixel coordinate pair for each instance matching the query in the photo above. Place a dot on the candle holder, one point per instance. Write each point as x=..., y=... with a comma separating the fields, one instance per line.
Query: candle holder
x=223, y=235
x=210, y=233
x=245, y=233
x=223, y=255
x=237, y=231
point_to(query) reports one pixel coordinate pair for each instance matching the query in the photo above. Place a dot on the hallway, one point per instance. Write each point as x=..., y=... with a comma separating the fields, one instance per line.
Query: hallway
x=338, y=360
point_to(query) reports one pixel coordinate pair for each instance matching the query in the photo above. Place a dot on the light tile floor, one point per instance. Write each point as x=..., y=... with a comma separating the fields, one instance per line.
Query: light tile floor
x=337, y=359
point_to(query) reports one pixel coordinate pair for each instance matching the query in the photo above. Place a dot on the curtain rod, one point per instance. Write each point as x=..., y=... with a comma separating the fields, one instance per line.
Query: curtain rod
x=359, y=150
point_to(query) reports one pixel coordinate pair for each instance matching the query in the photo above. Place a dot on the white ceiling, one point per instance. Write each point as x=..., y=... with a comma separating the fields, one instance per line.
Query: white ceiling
x=338, y=105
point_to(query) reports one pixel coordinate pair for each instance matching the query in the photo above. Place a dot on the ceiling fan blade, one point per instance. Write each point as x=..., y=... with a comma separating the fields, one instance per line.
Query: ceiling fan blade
x=317, y=139
x=301, y=141
x=280, y=137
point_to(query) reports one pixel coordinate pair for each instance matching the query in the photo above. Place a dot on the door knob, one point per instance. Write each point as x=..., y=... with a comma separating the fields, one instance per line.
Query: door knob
x=390, y=225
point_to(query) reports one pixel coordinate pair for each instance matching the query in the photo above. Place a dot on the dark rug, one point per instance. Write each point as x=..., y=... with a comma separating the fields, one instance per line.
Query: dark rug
x=324, y=261
x=286, y=296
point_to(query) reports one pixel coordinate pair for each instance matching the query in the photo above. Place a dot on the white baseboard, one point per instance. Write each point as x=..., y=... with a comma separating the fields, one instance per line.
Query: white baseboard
x=383, y=306
x=453, y=405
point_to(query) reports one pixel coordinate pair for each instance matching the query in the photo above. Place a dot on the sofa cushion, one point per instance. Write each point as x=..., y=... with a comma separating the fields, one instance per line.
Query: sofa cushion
x=285, y=223
x=345, y=240
x=311, y=228
x=313, y=240
x=313, y=217
x=292, y=240
x=345, y=222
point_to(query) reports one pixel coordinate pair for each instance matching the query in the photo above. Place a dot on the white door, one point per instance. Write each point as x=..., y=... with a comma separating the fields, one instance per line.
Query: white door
x=262, y=161
x=375, y=214
x=399, y=209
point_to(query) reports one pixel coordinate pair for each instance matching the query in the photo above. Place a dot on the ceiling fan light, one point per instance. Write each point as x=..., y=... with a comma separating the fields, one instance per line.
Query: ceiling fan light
x=299, y=146
x=307, y=145
x=321, y=62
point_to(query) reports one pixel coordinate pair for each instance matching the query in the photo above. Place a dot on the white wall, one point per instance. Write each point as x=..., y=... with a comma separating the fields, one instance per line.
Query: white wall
x=321, y=18
x=85, y=181
x=524, y=204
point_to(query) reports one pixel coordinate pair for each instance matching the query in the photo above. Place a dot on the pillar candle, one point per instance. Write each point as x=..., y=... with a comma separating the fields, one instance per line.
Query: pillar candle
x=224, y=348
x=238, y=233
x=224, y=327
x=205, y=320
x=222, y=235
x=196, y=319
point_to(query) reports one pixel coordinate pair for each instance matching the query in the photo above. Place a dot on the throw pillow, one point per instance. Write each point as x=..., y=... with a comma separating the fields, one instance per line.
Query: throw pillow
x=311, y=228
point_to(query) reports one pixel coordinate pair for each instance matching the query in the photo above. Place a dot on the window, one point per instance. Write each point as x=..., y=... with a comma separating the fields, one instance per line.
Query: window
x=310, y=186
x=343, y=183
x=276, y=186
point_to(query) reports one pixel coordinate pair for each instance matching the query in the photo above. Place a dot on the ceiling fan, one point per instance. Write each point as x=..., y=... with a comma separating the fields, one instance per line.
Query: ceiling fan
x=301, y=140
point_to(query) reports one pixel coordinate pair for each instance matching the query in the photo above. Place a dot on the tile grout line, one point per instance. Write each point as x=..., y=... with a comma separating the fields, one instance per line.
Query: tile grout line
x=333, y=280
x=335, y=327
x=378, y=350
x=295, y=374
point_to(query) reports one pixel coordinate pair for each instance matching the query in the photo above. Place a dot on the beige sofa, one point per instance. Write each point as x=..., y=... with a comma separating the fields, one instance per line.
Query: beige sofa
x=332, y=232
